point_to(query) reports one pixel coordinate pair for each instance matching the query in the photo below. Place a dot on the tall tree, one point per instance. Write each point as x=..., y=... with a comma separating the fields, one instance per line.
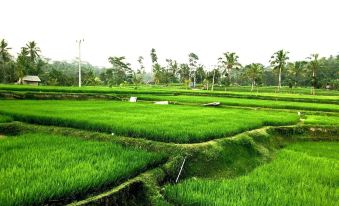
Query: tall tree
x=33, y=51
x=156, y=68
x=230, y=62
x=122, y=71
x=295, y=70
x=278, y=62
x=254, y=72
x=184, y=72
x=5, y=58
x=141, y=63
x=200, y=73
x=313, y=65
x=172, y=70
x=193, y=65
x=138, y=75
x=29, y=60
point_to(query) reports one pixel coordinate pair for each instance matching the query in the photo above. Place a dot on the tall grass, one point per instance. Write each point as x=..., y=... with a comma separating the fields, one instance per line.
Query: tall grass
x=301, y=174
x=38, y=168
x=169, y=123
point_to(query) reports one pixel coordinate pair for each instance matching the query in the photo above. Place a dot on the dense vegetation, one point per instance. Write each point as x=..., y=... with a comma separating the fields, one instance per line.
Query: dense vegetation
x=312, y=71
x=169, y=123
x=5, y=119
x=37, y=168
x=301, y=174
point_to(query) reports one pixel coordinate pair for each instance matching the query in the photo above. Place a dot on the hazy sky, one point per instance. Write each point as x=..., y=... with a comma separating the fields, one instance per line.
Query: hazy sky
x=254, y=29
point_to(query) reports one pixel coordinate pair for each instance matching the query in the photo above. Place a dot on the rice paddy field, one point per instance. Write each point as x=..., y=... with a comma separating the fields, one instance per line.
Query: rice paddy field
x=5, y=119
x=301, y=174
x=322, y=120
x=168, y=123
x=229, y=101
x=93, y=147
x=39, y=168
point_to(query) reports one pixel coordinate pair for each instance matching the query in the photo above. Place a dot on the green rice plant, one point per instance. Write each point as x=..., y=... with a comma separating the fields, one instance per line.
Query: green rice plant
x=4, y=119
x=169, y=123
x=302, y=174
x=38, y=168
x=322, y=120
x=246, y=102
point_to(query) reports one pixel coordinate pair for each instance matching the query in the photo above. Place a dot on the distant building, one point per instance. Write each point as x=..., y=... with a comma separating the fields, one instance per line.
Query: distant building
x=30, y=80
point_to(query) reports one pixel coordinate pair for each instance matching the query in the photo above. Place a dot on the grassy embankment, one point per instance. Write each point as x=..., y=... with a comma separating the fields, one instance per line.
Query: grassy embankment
x=302, y=174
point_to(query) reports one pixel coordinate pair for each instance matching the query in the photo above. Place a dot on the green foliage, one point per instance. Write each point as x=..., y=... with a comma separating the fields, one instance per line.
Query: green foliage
x=37, y=168
x=254, y=73
x=4, y=118
x=301, y=174
x=169, y=123
x=121, y=71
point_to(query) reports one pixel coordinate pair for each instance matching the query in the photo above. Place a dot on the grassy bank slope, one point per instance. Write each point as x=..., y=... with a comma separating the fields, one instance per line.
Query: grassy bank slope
x=302, y=174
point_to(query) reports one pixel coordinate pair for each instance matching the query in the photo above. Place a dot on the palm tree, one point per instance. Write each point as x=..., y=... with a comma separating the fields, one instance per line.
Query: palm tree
x=278, y=61
x=230, y=62
x=33, y=50
x=295, y=70
x=254, y=72
x=5, y=57
x=313, y=65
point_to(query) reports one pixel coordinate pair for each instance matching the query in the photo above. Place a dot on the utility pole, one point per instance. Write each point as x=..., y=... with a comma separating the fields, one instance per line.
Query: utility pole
x=79, y=58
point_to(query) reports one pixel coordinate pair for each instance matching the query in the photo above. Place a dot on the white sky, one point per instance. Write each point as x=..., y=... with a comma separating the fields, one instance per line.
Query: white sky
x=254, y=29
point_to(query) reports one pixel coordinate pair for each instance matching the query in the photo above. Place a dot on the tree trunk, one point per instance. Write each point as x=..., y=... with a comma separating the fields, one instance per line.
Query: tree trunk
x=194, y=81
x=213, y=80
x=313, y=86
x=252, y=86
x=279, y=86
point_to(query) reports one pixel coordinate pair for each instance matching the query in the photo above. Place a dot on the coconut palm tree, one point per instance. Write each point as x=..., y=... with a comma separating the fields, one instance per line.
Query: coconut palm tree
x=313, y=65
x=278, y=62
x=5, y=57
x=33, y=51
x=254, y=72
x=230, y=62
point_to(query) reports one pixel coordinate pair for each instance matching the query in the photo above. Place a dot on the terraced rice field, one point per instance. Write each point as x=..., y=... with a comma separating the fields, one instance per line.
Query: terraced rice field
x=40, y=168
x=168, y=123
x=302, y=174
x=91, y=151
x=275, y=104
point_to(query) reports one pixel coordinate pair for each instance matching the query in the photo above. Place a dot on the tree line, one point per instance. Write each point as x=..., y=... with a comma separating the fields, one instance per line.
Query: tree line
x=313, y=71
